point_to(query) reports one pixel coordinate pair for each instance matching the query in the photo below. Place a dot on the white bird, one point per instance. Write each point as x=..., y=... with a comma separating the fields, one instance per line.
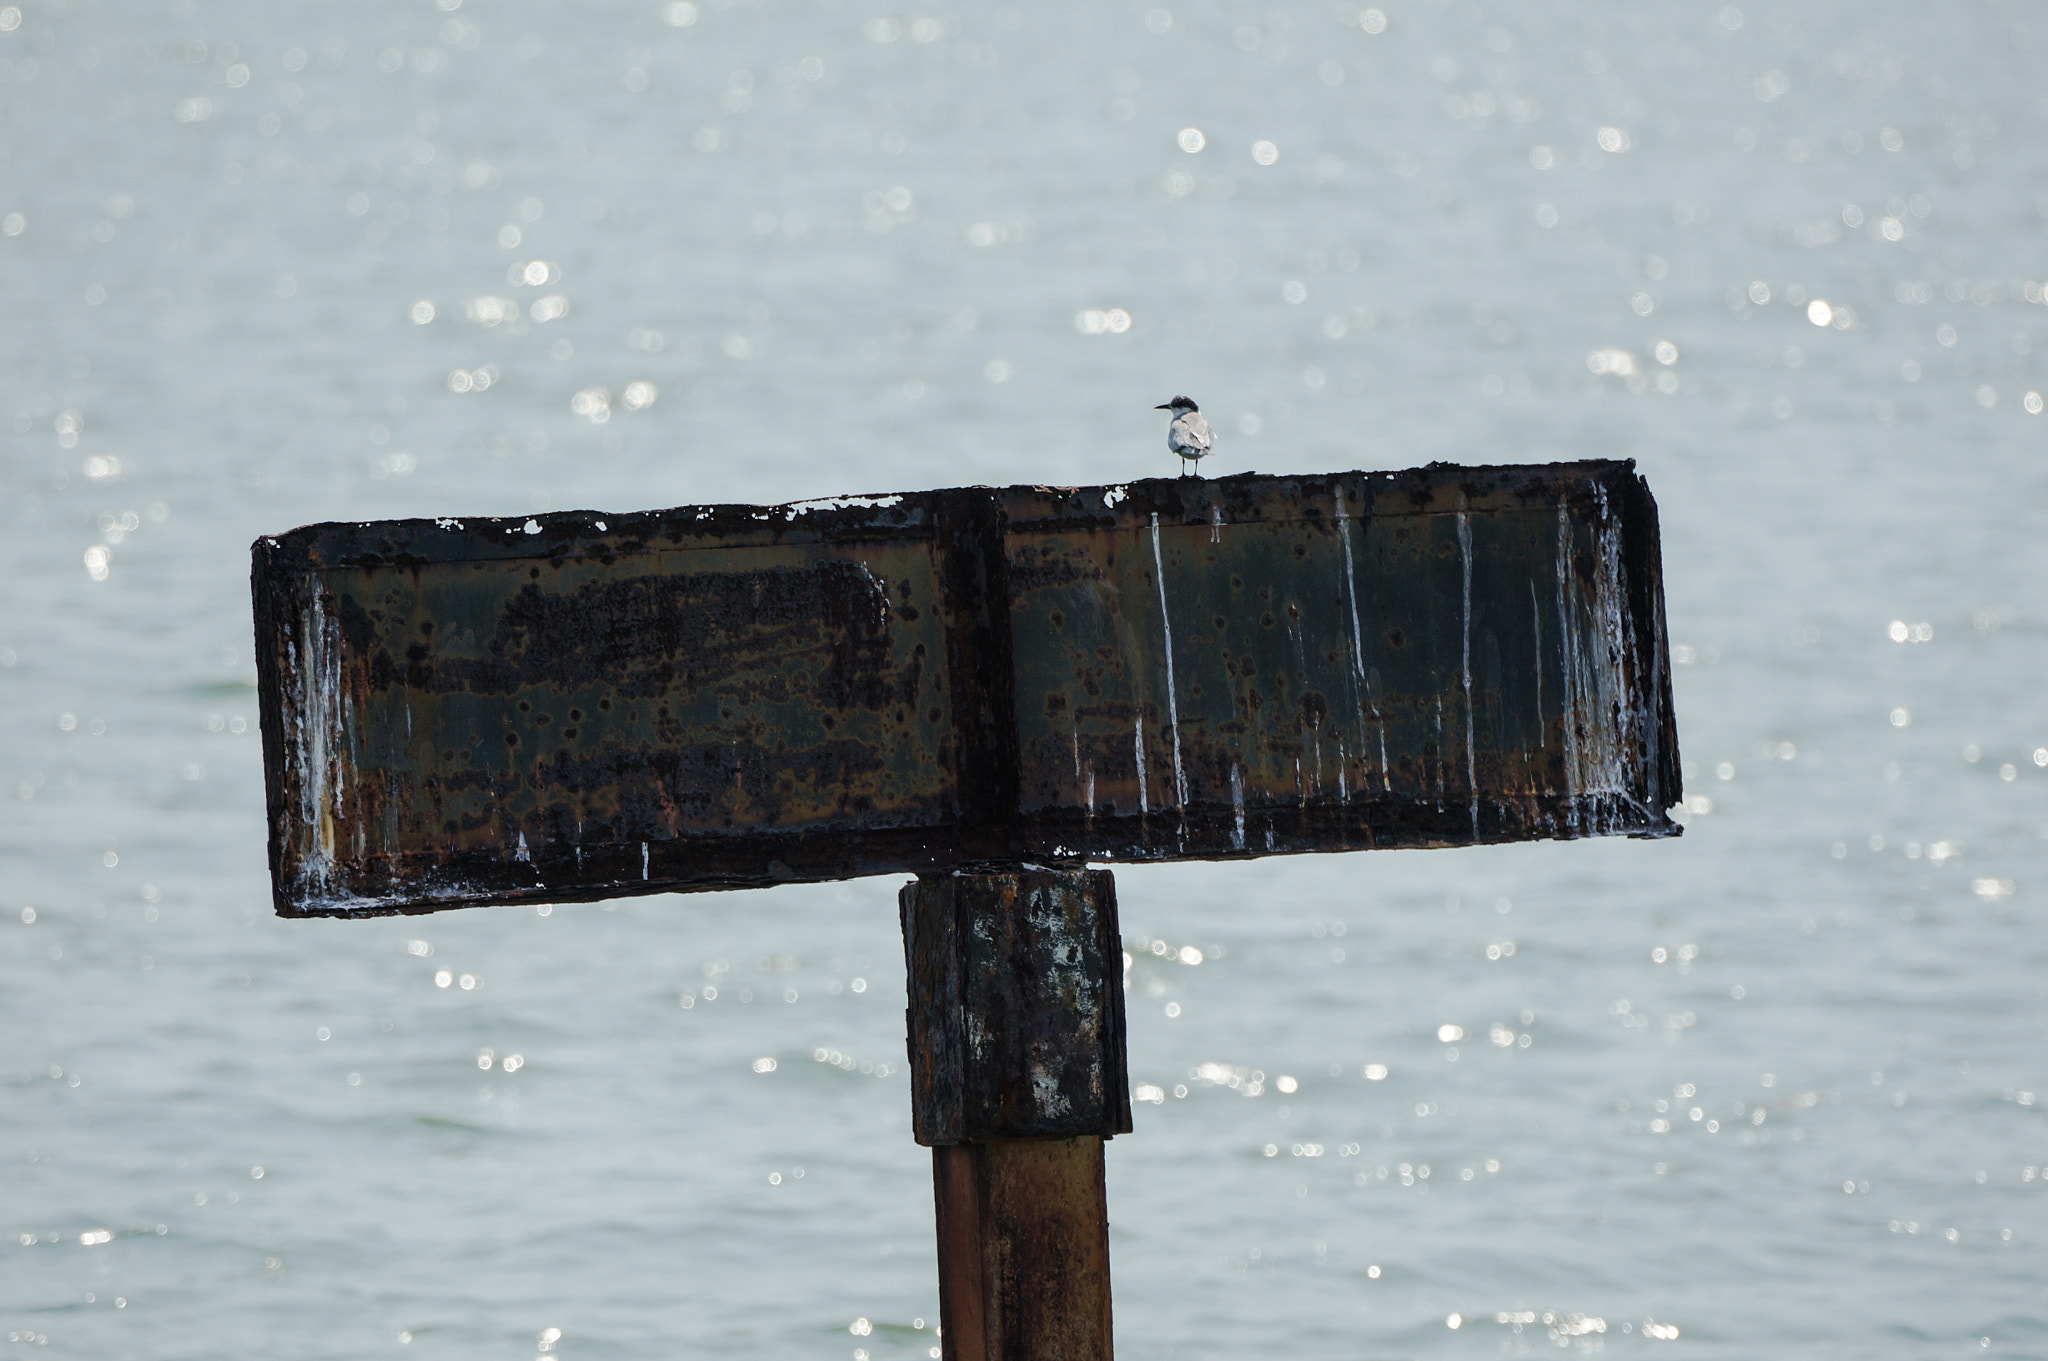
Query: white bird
x=1189, y=436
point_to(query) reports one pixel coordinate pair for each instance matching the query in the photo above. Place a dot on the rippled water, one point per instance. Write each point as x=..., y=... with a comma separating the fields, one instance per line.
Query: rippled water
x=1772, y=1085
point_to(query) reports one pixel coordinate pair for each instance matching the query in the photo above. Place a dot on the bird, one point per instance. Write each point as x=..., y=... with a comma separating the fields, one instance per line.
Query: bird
x=1189, y=435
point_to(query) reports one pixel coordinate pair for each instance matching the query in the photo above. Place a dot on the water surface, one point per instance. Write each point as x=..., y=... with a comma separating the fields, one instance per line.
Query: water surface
x=1772, y=1085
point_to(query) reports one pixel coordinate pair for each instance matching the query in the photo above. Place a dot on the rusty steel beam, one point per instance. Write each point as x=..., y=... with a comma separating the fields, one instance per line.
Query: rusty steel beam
x=1023, y=1229
x=583, y=705
x=1017, y=1075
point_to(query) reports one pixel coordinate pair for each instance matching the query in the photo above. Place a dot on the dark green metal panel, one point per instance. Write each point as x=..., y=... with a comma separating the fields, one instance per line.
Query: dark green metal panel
x=582, y=705
x=1448, y=656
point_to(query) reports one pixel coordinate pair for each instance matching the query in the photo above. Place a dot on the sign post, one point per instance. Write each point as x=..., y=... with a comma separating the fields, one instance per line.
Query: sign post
x=1017, y=1075
x=988, y=689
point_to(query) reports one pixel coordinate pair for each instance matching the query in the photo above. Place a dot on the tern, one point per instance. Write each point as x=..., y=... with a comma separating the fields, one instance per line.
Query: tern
x=1189, y=435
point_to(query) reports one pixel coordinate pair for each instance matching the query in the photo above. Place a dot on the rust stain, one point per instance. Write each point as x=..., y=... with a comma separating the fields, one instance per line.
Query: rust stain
x=1016, y=1011
x=584, y=705
x=1023, y=1233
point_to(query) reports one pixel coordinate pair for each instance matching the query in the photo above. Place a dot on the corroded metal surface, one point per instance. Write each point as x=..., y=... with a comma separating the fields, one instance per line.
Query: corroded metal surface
x=1023, y=1230
x=583, y=705
x=1256, y=665
x=1016, y=1005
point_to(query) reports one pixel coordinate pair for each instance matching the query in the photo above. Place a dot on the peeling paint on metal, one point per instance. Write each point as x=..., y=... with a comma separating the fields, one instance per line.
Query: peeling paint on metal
x=845, y=503
x=1236, y=806
x=1138, y=744
x=1016, y=1019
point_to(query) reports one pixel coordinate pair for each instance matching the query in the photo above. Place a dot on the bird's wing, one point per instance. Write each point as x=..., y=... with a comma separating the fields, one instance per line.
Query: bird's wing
x=1192, y=432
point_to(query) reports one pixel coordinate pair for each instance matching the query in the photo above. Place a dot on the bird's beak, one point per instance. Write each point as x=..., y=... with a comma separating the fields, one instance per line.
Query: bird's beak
x=1164, y=406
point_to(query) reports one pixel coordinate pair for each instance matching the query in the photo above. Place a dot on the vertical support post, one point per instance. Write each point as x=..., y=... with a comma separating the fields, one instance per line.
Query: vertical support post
x=1018, y=1074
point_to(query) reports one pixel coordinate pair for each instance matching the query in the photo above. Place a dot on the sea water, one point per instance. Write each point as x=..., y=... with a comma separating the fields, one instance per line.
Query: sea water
x=1774, y=1089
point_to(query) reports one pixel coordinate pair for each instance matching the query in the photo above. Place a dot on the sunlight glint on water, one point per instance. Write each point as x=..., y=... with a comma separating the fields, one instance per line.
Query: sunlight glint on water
x=1775, y=1089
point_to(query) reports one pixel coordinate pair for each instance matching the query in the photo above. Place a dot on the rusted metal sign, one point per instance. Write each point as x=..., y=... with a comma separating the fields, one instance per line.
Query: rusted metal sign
x=582, y=705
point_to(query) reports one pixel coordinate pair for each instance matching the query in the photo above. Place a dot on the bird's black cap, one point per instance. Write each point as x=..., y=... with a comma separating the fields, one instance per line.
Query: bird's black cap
x=1187, y=402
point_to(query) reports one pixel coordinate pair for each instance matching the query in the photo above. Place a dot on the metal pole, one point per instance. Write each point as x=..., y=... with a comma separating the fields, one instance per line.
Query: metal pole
x=1023, y=1250
x=1016, y=1030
